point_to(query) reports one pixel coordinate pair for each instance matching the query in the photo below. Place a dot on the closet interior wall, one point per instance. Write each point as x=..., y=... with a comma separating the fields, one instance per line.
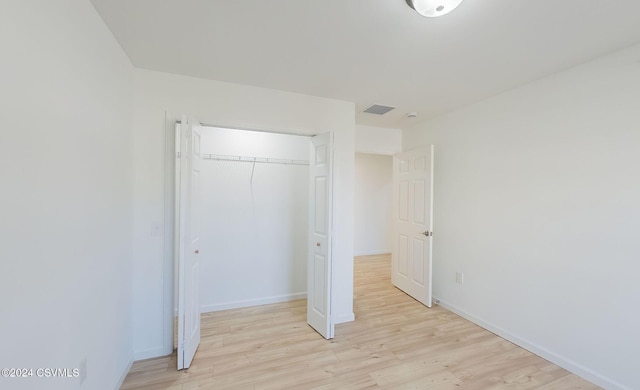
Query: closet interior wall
x=254, y=219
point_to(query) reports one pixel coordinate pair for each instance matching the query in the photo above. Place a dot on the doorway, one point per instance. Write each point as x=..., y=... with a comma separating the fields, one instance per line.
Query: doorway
x=394, y=215
x=264, y=213
x=373, y=186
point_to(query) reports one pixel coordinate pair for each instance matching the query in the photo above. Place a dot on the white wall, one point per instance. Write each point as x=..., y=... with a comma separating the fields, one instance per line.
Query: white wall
x=225, y=105
x=65, y=204
x=378, y=140
x=372, y=204
x=222, y=141
x=536, y=201
x=254, y=220
x=373, y=181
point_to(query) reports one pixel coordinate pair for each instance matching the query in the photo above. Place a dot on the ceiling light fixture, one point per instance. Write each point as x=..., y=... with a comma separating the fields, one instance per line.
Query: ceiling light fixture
x=433, y=8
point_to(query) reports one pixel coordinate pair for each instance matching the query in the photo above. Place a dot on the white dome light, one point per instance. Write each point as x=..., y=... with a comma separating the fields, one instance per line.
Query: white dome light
x=433, y=8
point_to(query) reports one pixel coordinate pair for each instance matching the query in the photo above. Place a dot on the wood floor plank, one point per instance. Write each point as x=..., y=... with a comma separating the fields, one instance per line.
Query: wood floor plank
x=395, y=343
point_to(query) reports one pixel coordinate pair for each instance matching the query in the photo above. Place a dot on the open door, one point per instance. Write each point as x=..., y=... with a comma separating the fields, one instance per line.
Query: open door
x=320, y=212
x=413, y=223
x=188, y=264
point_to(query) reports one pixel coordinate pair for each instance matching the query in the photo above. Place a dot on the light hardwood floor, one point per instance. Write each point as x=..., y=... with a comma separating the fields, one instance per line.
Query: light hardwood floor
x=395, y=343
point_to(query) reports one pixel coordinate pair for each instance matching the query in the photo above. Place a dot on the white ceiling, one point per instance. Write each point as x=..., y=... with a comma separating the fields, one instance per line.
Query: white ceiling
x=371, y=51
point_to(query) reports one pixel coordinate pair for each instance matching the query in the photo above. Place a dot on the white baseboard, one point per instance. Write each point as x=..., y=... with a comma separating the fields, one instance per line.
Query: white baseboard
x=124, y=374
x=340, y=319
x=252, y=302
x=371, y=253
x=554, y=358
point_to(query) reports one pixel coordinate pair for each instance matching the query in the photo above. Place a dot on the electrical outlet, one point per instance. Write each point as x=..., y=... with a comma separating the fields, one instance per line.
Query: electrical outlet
x=83, y=370
x=459, y=277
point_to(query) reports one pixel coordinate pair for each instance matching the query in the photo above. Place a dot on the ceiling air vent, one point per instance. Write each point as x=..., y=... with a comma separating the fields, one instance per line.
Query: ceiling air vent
x=378, y=110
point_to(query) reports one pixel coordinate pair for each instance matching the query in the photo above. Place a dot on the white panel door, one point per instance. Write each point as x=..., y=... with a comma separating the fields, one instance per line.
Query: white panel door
x=188, y=264
x=413, y=223
x=320, y=212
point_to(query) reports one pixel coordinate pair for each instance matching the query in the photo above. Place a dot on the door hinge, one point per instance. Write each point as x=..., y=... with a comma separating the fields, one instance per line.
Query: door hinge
x=178, y=155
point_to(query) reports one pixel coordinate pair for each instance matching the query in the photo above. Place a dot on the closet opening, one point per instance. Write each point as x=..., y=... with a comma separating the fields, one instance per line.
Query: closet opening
x=262, y=198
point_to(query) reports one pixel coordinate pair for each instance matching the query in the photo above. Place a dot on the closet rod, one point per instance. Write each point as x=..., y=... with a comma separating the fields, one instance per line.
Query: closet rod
x=255, y=160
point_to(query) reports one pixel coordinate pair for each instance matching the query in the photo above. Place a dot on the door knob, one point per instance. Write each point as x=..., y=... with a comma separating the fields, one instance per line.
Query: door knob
x=427, y=233
x=317, y=244
x=197, y=251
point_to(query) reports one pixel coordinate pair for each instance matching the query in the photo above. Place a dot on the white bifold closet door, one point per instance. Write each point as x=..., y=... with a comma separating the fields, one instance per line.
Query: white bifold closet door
x=189, y=241
x=320, y=231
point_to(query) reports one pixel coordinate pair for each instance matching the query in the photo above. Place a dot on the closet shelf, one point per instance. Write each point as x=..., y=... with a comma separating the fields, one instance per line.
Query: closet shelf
x=255, y=160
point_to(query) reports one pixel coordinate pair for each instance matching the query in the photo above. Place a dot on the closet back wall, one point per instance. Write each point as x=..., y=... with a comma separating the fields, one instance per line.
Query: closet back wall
x=254, y=220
